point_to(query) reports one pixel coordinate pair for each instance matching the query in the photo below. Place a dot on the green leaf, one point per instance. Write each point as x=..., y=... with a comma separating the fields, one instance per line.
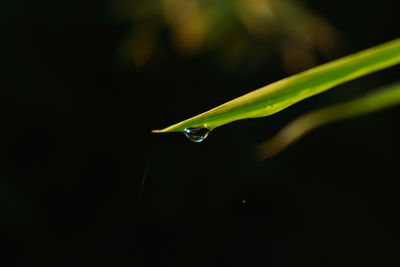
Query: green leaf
x=286, y=92
x=383, y=98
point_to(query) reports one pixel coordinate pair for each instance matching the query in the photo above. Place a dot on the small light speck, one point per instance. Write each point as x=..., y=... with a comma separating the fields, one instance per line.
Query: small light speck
x=244, y=201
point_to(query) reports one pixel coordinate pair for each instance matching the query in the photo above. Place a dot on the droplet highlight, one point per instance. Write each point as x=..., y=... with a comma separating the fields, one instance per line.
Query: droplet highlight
x=196, y=134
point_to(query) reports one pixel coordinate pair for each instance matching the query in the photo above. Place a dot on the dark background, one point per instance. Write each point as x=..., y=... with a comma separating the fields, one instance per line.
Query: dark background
x=75, y=141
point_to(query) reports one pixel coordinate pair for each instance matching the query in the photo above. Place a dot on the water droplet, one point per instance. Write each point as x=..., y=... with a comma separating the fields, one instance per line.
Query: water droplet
x=197, y=134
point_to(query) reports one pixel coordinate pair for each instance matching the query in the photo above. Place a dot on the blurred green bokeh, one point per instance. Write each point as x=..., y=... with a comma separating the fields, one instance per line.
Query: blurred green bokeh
x=238, y=31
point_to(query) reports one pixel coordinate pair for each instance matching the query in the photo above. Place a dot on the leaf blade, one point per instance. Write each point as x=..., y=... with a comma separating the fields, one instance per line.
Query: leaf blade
x=279, y=95
x=383, y=98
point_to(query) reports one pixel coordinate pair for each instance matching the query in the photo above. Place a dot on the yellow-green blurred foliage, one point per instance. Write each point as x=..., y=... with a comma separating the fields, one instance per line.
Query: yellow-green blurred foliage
x=239, y=31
